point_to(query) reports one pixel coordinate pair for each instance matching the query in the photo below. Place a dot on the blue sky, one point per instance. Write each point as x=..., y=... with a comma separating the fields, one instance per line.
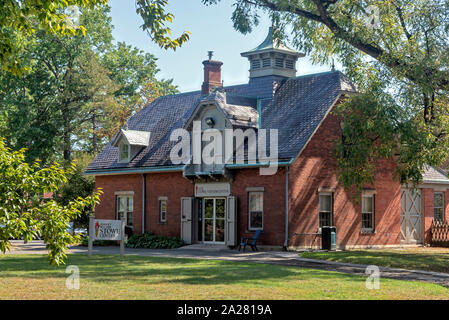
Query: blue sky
x=211, y=29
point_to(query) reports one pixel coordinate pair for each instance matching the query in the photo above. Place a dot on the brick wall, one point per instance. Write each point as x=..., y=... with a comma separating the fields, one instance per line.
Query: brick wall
x=317, y=167
x=428, y=214
x=273, y=206
x=173, y=186
x=106, y=209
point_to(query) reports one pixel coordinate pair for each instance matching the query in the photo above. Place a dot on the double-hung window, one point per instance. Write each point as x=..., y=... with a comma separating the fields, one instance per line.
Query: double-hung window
x=125, y=208
x=255, y=214
x=325, y=209
x=367, y=213
x=438, y=206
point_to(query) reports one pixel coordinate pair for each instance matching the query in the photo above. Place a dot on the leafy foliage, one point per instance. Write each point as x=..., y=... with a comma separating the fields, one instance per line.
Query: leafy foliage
x=78, y=185
x=155, y=19
x=78, y=90
x=152, y=241
x=26, y=17
x=22, y=211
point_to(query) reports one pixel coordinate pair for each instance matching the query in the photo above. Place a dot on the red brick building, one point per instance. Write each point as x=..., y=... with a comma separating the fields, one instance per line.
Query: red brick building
x=222, y=201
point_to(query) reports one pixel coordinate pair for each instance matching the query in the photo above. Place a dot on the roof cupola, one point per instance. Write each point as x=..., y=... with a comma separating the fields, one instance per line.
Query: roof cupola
x=272, y=57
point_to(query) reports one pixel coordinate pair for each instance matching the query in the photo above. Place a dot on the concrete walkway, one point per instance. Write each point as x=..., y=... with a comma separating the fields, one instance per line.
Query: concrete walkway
x=267, y=257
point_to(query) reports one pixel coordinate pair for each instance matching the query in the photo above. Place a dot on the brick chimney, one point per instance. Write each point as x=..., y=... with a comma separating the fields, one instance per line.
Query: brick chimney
x=212, y=75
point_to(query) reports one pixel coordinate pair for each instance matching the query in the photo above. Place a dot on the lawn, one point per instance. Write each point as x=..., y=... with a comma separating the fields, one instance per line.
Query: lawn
x=136, y=277
x=420, y=258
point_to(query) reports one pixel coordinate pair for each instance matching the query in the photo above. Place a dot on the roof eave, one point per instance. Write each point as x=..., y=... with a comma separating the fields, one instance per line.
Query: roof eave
x=293, y=53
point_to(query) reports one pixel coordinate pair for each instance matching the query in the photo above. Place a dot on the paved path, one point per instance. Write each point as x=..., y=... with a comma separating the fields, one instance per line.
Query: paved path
x=268, y=257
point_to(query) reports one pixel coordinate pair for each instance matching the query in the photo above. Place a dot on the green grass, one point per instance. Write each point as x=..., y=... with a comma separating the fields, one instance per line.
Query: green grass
x=136, y=277
x=427, y=259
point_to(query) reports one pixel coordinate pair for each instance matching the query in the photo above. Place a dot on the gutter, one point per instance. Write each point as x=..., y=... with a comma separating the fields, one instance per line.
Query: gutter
x=106, y=172
x=435, y=181
x=259, y=164
x=131, y=170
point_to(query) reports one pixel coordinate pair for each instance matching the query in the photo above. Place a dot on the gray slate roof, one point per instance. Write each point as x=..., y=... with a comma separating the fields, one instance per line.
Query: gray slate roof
x=295, y=107
x=134, y=137
x=432, y=175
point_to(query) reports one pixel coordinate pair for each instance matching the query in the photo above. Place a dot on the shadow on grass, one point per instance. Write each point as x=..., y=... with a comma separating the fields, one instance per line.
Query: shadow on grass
x=154, y=270
x=438, y=262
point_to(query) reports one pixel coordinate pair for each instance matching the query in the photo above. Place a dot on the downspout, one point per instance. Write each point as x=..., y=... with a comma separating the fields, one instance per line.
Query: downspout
x=144, y=206
x=287, y=169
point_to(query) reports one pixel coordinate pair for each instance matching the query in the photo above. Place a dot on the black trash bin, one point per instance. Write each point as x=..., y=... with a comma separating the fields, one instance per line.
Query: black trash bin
x=329, y=238
x=128, y=231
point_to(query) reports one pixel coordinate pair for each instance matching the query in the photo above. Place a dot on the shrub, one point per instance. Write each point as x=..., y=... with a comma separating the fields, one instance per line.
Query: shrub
x=152, y=241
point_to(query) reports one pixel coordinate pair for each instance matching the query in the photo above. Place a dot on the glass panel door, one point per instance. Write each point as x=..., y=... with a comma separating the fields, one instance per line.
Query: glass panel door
x=209, y=220
x=220, y=220
x=214, y=220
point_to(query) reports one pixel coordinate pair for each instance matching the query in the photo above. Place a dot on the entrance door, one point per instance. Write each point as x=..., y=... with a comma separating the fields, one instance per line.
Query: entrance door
x=411, y=216
x=214, y=217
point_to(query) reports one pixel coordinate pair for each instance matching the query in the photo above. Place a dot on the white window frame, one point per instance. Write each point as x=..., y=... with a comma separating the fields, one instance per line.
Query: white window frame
x=249, y=210
x=442, y=208
x=331, y=212
x=125, y=212
x=365, y=212
x=123, y=160
x=164, y=220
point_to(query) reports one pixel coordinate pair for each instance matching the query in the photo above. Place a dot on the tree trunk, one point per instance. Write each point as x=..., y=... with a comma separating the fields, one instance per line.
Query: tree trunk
x=66, y=143
x=94, y=132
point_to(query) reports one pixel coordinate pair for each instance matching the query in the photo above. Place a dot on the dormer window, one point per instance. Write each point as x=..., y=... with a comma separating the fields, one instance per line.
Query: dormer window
x=123, y=152
x=130, y=143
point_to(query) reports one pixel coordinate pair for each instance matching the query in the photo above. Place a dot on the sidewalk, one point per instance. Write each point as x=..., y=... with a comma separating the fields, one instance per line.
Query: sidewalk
x=267, y=257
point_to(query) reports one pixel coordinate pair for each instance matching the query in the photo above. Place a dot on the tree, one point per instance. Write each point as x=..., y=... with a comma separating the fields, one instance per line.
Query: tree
x=77, y=92
x=78, y=185
x=60, y=17
x=155, y=19
x=26, y=17
x=23, y=213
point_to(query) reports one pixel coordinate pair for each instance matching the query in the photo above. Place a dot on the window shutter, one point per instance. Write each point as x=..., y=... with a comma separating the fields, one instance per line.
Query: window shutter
x=186, y=219
x=231, y=221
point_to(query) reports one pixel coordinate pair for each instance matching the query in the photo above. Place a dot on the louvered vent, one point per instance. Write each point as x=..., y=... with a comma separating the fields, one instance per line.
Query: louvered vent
x=266, y=63
x=255, y=64
x=289, y=64
x=279, y=62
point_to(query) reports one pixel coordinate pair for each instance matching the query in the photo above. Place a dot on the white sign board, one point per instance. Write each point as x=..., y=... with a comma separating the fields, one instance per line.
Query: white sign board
x=108, y=229
x=219, y=189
